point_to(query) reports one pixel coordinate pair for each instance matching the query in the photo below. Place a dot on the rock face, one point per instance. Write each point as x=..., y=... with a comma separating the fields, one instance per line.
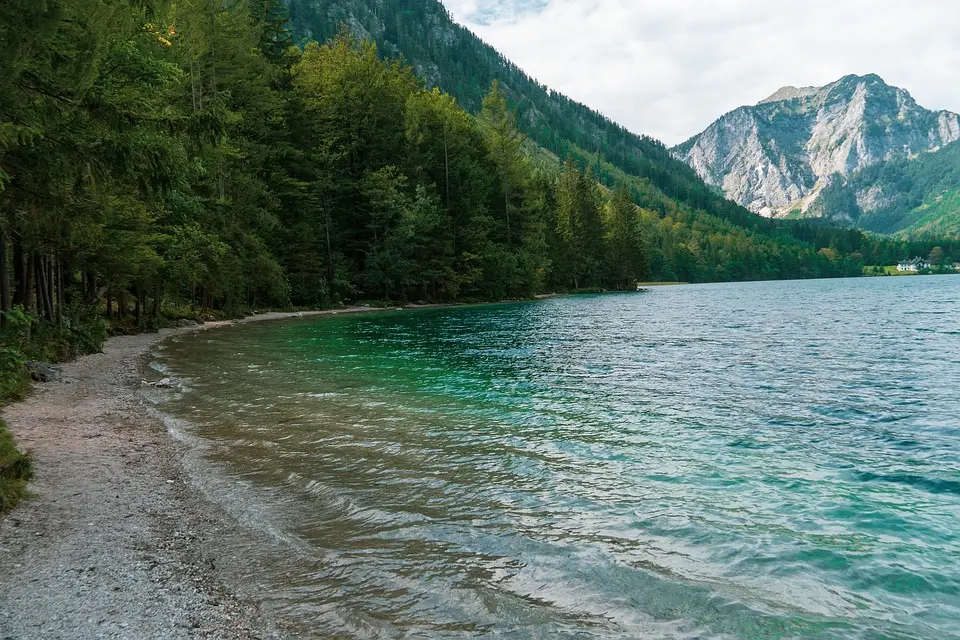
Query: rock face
x=777, y=158
x=790, y=93
x=43, y=372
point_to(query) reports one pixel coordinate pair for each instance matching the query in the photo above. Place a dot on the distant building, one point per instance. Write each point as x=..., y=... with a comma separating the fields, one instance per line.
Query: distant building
x=913, y=266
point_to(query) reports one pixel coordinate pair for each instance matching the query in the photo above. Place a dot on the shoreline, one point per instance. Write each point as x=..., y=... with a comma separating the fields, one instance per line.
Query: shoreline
x=115, y=541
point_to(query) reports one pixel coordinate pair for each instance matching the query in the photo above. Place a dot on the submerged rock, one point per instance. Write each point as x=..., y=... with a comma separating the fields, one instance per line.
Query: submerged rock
x=43, y=372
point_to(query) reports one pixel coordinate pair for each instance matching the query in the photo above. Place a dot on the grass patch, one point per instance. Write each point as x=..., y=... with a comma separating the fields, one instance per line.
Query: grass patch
x=16, y=470
x=888, y=270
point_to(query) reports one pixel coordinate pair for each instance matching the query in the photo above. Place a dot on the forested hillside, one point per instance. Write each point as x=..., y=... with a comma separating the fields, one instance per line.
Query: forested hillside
x=452, y=58
x=162, y=158
x=917, y=196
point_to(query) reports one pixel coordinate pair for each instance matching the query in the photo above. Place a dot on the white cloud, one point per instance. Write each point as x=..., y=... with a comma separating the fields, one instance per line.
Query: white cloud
x=670, y=67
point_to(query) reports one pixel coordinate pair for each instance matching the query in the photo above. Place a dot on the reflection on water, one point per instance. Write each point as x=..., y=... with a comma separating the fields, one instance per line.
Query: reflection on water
x=774, y=460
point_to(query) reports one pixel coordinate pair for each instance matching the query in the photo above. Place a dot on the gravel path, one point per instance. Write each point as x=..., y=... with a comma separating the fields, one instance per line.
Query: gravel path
x=112, y=543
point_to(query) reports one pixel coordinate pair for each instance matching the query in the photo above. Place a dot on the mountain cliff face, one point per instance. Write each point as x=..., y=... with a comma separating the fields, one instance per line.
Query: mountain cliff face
x=794, y=153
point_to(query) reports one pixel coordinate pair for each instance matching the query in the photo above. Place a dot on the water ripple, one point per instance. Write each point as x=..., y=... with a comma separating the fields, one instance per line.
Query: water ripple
x=776, y=460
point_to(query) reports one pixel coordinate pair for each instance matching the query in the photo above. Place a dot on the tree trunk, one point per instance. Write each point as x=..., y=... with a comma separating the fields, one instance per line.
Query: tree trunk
x=506, y=203
x=138, y=309
x=28, y=298
x=91, y=295
x=19, y=274
x=326, y=212
x=51, y=303
x=52, y=311
x=58, y=284
x=38, y=288
x=109, y=305
x=41, y=288
x=446, y=163
x=4, y=278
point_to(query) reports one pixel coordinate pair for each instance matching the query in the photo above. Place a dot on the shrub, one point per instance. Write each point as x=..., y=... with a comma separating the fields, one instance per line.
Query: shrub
x=25, y=338
x=89, y=336
x=16, y=470
x=14, y=337
x=81, y=332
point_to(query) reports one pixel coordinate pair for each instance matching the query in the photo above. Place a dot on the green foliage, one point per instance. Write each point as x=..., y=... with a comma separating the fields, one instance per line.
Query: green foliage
x=14, y=338
x=626, y=255
x=937, y=217
x=578, y=226
x=457, y=61
x=16, y=469
x=90, y=336
x=59, y=342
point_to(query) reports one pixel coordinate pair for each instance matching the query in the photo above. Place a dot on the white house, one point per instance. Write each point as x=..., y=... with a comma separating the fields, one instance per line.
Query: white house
x=913, y=266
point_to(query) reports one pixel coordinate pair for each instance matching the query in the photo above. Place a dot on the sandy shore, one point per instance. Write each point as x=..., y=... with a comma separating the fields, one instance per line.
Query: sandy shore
x=115, y=543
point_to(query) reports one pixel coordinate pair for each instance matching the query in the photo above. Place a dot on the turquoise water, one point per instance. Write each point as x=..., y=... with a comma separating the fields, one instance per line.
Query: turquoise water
x=769, y=460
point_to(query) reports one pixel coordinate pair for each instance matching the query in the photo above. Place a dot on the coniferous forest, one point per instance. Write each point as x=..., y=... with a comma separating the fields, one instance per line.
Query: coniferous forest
x=161, y=159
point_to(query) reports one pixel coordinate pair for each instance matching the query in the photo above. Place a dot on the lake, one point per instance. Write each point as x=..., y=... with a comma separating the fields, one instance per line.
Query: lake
x=761, y=460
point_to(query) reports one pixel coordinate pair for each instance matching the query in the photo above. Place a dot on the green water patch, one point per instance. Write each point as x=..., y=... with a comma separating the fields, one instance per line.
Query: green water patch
x=767, y=460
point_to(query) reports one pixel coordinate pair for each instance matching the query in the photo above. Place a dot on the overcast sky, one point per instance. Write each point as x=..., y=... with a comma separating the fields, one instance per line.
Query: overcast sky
x=668, y=68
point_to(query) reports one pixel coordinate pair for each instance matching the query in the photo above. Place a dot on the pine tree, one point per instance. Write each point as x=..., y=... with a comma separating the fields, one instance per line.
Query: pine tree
x=505, y=144
x=624, y=256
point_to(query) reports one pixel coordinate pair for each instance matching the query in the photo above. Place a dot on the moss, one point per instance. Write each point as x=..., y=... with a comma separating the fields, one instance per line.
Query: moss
x=16, y=469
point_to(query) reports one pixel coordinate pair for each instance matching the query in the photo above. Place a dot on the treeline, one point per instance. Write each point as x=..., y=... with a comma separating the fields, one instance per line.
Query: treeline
x=449, y=56
x=185, y=154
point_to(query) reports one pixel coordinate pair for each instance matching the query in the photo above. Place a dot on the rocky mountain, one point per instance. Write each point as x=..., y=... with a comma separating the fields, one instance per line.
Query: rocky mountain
x=806, y=152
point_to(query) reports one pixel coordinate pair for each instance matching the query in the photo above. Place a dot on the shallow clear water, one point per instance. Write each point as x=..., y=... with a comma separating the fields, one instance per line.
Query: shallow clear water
x=770, y=460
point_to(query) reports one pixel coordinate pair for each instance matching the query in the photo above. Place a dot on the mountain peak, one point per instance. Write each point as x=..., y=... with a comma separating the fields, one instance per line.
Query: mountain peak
x=872, y=78
x=790, y=93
